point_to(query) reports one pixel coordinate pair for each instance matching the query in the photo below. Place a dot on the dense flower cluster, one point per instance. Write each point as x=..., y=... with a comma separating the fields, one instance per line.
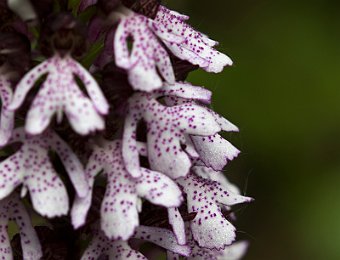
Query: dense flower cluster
x=138, y=156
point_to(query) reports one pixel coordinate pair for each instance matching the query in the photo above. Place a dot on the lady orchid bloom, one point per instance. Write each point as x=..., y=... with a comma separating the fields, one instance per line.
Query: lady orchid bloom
x=120, y=249
x=169, y=127
x=12, y=209
x=7, y=116
x=212, y=151
x=194, y=47
x=141, y=154
x=209, y=228
x=60, y=94
x=168, y=27
x=121, y=203
x=30, y=167
x=147, y=57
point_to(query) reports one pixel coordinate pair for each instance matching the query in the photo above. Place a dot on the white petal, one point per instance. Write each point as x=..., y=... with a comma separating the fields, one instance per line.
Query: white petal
x=234, y=252
x=11, y=174
x=48, y=193
x=82, y=205
x=7, y=116
x=158, y=189
x=145, y=55
x=92, y=88
x=27, y=82
x=129, y=145
x=71, y=163
x=30, y=244
x=214, y=151
x=186, y=90
x=177, y=223
x=41, y=111
x=82, y=114
x=161, y=237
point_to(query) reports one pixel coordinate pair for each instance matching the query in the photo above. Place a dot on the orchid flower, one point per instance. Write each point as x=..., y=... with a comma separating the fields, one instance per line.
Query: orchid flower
x=169, y=127
x=60, y=93
x=154, y=149
x=194, y=47
x=30, y=167
x=147, y=55
x=212, y=151
x=209, y=228
x=120, y=206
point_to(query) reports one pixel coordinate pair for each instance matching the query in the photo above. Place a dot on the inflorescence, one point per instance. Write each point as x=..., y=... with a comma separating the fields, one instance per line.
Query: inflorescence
x=104, y=144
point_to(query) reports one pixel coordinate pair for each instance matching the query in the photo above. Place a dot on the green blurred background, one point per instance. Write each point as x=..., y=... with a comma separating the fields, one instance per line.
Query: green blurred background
x=284, y=94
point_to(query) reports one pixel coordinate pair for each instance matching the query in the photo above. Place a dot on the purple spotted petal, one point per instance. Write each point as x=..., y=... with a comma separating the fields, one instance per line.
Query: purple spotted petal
x=119, y=210
x=167, y=128
x=30, y=167
x=82, y=205
x=219, y=177
x=233, y=252
x=210, y=228
x=118, y=249
x=163, y=238
x=146, y=57
x=158, y=189
x=60, y=94
x=186, y=91
x=11, y=209
x=94, y=91
x=216, y=176
x=195, y=47
x=177, y=223
x=7, y=116
x=214, y=151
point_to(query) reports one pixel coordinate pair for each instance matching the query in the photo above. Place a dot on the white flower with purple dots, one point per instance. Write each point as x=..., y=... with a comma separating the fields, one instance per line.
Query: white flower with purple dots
x=59, y=94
